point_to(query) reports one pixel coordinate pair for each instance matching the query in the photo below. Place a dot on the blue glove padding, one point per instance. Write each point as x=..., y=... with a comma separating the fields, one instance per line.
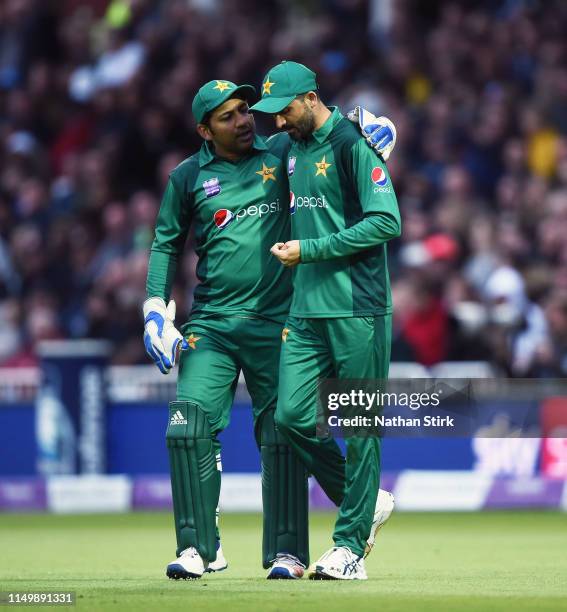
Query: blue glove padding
x=379, y=136
x=161, y=339
x=379, y=132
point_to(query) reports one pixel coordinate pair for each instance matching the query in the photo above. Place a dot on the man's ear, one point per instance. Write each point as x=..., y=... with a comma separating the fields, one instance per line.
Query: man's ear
x=204, y=131
x=312, y=99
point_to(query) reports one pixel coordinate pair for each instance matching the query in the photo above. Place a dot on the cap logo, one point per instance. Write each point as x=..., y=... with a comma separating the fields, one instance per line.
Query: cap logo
x=267, y=87
x=222, y=86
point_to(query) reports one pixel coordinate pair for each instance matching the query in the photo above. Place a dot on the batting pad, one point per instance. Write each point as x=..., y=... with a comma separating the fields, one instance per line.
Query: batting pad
x=195, y=479
x=284, y=496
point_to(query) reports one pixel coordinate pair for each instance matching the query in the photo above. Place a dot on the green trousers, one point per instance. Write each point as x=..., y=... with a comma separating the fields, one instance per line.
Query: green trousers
x=220, y=348
x=356, y=347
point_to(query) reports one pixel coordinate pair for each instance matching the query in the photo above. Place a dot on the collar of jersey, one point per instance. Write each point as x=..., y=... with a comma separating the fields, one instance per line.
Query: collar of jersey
x=207, y=153
x=323, y=132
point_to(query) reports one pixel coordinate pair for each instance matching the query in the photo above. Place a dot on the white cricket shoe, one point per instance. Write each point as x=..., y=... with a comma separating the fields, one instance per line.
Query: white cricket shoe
x=339, y=563
x=286, y=567
x=220, y=563
x=382, y=512
x=188, y=566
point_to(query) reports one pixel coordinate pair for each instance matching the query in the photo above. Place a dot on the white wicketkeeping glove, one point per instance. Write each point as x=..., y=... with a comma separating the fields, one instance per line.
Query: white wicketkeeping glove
x=161, y=339
x=379, y=132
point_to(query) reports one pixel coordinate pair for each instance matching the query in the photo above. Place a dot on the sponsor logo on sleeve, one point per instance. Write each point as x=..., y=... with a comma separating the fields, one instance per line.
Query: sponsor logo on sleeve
x=380, y=180
x=379, y=176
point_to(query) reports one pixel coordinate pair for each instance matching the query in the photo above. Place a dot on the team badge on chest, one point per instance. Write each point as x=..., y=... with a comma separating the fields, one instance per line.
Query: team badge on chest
x=266, y=173
x=291, y=165
x=322, y=167
x=212, y=187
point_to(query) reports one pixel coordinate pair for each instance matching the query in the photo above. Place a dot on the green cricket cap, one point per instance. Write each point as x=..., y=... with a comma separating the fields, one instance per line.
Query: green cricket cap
x=282, y=84
x=214, y=93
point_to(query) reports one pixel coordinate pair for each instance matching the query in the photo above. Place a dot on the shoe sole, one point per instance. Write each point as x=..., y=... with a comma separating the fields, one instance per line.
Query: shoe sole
x=177, y=572
x=319, y=574
x=214, y=571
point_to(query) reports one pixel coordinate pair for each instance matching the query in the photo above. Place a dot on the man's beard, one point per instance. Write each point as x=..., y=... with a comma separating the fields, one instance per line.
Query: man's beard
x=304, y=127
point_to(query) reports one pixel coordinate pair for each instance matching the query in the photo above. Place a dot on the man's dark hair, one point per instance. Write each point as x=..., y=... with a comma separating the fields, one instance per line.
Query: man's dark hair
x=206, y=120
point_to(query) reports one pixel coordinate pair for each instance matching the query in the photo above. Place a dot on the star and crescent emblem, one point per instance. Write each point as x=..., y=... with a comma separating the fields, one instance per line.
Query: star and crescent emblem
x=266, y=173
x=267, y=87
x=222, y=86
x=322, y=167
x=192, y=341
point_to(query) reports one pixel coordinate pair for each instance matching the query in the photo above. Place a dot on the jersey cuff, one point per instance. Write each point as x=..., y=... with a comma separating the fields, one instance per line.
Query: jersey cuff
x=307, y=250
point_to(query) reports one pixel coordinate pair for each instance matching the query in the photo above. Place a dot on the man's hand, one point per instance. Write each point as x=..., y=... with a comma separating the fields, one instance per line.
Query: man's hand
x=288, y=253
x=379, y=132
x=161, y=339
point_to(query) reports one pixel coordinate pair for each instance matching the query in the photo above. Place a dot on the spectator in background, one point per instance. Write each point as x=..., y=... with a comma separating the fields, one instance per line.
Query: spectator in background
x=95, y=98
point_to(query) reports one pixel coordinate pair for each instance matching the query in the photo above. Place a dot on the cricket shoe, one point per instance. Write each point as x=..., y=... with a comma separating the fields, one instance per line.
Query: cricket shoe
x=220, y=563
x=339, y=563
x=286, y=567
x=188, y=566
x=382, y=512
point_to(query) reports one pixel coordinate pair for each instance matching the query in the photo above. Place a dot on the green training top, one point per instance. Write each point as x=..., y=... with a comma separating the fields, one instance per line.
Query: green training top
x=238, y=211
x=344, y=210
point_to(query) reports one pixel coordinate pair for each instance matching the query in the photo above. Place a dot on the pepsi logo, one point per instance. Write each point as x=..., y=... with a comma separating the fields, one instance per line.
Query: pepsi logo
x=378, y=176
x=292, y=207
x=223, y=217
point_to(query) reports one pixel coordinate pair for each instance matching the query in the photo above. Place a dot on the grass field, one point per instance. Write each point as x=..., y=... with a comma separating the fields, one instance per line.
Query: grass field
x=485, y=561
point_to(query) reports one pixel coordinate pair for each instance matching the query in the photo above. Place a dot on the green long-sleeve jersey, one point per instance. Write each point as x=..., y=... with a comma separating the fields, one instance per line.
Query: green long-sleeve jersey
x=344, y=210
x=238, y=210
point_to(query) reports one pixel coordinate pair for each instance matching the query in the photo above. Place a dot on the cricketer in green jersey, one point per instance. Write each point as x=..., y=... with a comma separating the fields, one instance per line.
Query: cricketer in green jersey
x=343, y=211
x=234, y=192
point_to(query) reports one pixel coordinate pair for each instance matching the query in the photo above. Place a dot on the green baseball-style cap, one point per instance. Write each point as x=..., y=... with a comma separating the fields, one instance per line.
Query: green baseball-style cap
x=214, y=93
x=282, y=84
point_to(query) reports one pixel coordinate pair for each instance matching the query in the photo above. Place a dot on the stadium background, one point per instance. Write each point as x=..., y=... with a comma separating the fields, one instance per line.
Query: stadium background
x=94, y=113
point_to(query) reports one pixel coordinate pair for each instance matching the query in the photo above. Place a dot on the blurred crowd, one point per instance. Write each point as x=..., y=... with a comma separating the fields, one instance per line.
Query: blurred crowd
x=95, y=112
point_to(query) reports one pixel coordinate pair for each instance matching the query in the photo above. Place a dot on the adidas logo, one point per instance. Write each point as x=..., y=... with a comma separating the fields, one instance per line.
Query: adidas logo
x=178, y=419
